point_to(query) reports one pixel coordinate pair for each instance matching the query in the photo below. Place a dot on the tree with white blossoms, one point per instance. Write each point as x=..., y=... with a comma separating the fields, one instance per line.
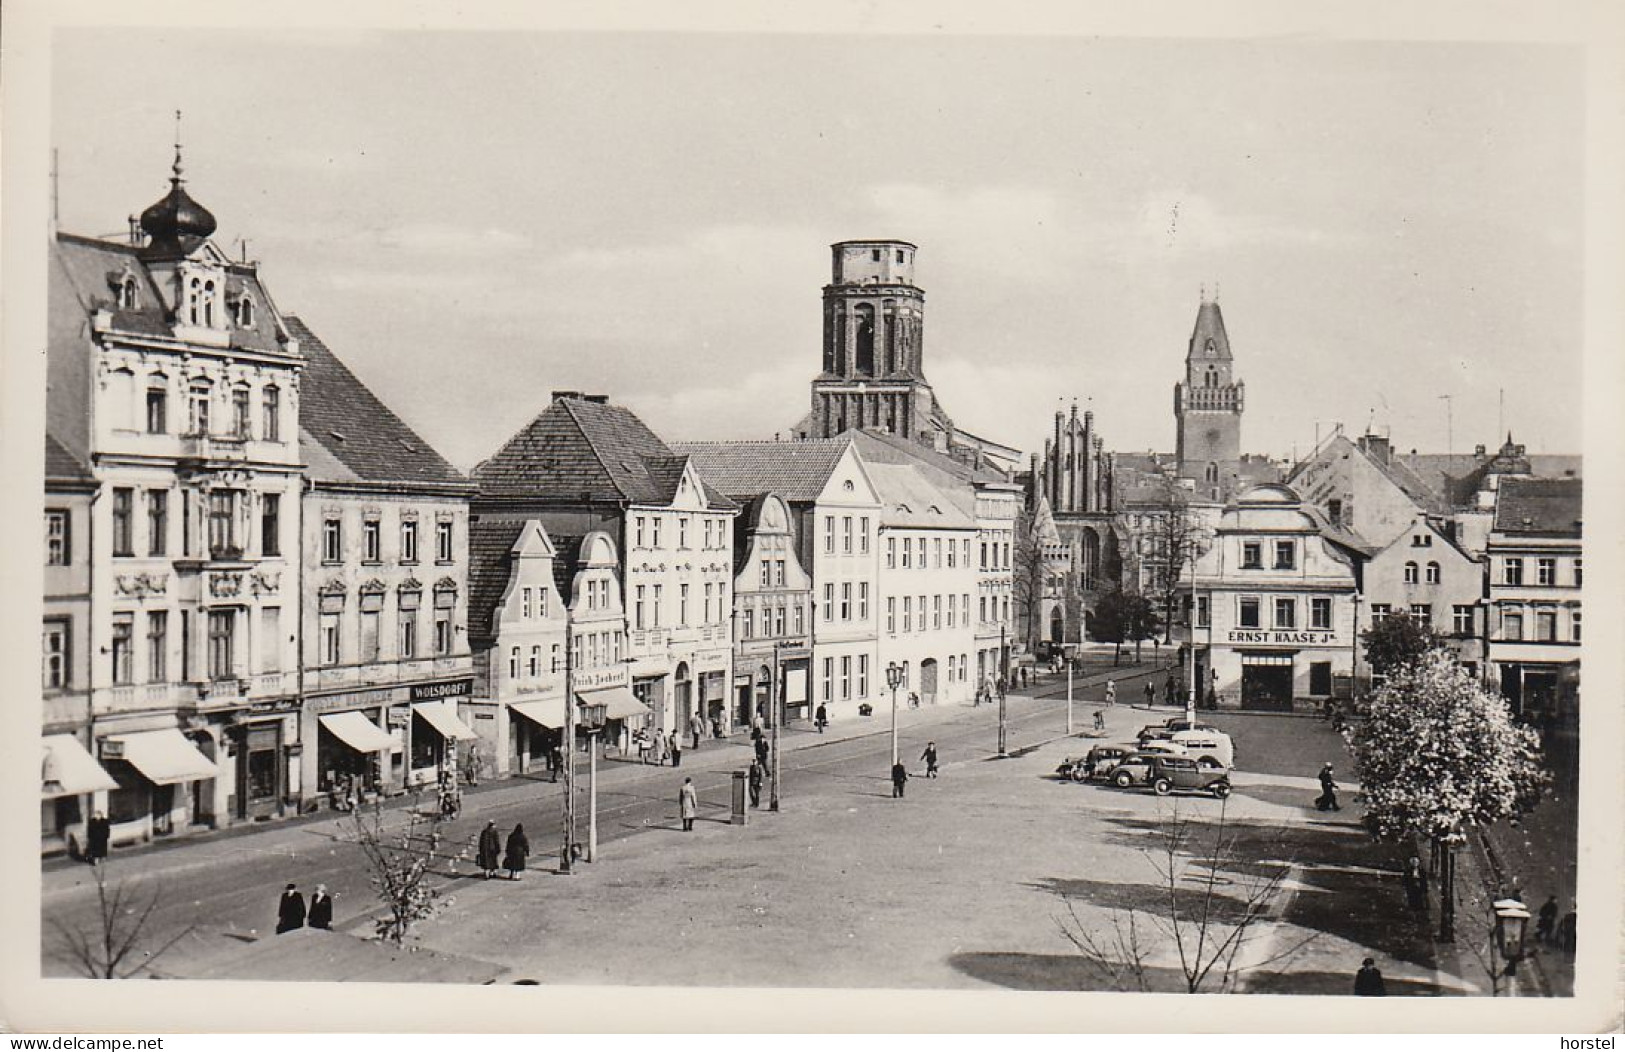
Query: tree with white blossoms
x=401, y=866
x=1438, y=754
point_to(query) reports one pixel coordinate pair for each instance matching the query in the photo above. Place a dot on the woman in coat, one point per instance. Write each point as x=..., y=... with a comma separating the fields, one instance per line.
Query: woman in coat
x=489, y=858
x=518, y=850
x=688, y=804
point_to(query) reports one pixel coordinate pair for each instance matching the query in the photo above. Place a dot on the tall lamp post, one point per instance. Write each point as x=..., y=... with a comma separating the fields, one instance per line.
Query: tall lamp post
x=777, y=704
x=593, y=718
x=894, y=679
x=568, y=848
x=1511, y=922
x=1004, y=687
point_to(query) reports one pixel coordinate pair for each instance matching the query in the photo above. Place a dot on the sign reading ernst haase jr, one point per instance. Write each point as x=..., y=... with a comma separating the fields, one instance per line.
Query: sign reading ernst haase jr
x=1253, y=635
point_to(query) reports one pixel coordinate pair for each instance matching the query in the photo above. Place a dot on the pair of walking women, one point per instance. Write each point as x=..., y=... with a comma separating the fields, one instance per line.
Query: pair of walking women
x=492, y=856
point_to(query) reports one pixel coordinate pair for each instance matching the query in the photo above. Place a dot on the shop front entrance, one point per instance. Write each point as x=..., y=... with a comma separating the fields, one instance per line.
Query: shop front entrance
x=1266, y=682
x=259, y=770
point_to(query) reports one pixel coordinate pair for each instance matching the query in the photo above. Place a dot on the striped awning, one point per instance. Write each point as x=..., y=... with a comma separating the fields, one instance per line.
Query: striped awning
x=358, y=732
x=69, y=769
x=443, y=718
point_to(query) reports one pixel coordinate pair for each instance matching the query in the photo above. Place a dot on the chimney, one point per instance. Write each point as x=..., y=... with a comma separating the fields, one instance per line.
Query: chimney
x=559, y=396
x=1376, y=447
x=135, y=231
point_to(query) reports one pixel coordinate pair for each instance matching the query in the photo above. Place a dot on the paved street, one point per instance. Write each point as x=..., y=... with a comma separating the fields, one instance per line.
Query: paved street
x=965, y=883
x=228, y=885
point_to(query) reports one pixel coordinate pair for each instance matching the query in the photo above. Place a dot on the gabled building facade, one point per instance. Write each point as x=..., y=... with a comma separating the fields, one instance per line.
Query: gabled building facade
x=1360, y=486
x=383, y=615
x=835, y=513
x=584, y=465
x=773, y=617
x=1422, y=574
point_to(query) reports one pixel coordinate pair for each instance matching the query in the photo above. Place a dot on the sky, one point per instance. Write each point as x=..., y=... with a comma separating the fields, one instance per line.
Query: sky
x=472, y=220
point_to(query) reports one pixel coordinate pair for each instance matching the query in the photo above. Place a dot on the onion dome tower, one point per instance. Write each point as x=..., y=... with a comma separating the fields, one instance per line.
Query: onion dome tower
x=176, y=224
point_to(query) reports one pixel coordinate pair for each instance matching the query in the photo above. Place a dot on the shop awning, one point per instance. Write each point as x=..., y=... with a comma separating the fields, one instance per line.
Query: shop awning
x=443, y=718
x=165, y=757
x=619, y=702
x=70, y=769
x=358, y=732
x=549, y=712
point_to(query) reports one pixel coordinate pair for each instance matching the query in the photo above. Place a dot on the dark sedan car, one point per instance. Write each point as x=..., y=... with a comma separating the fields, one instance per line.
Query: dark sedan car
x=1097, y=764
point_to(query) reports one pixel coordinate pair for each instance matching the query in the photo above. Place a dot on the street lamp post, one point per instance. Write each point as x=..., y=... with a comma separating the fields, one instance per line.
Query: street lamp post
x=1511, y=922
x=776, y=701
x=1004, y=688
x=593, y=719
x=894, y=679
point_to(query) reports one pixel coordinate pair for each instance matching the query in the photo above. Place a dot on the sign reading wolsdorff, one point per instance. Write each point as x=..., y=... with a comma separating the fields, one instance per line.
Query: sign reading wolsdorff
x=446, y=688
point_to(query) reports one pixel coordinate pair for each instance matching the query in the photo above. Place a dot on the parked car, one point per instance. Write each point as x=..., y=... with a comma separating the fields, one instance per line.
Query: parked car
x=1209, y=748
x=1161, y=747
x=1180, y=772
x=1097, y=764
x=1171, y=726
x=1133, y=769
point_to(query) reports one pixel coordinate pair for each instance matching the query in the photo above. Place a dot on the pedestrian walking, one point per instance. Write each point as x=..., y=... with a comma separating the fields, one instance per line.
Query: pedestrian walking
x=754, y=780
x=1024, y=676
x=1416, y=886
x=688, y=804
x=821, y=718
x=761, y=751
x=518, y=850
x=555, y=762
x=1170, y=690
x=675, y=746
x=1111, y=692
x=489, y=857
x=716, y=726
x=1328, y=791
x=1150, y=694
x=290, y=910
x=694, y=730
x=471, y=770
x=899, y=778
x=1546, y=921
x=1003, y=688
x=97, y=833
x=1368, y=980
x=1568, y=931
x=321, y=908
x=930, y=758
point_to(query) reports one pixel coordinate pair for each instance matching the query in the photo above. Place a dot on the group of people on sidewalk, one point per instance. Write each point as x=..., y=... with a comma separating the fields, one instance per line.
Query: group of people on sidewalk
x=491, y=856
x=292, y=913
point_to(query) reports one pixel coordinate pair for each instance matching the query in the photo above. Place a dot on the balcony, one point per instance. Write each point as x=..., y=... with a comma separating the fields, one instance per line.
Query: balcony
x=388, y=673
x=135, y=697
x=207, y=449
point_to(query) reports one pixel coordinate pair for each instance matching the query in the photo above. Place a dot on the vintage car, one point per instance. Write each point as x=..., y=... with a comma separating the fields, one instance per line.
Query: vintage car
x=1207, y=747
x=1172, y=725
x=1176, y=772
x=1133, y=769
x=1097, y=764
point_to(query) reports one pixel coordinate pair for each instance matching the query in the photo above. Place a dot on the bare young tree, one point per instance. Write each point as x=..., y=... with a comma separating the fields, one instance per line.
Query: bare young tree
x=1211, y=895
x=1029, y=571
x=1175, y=542
x=401, y=865
x=115, y=943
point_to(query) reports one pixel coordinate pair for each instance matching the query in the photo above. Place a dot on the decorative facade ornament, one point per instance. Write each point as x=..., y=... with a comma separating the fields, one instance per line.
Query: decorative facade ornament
x=225, y=585
x=445, y=584
x=372, y=587
x=411, y=584
x=335, y=586
x=141, y=584
x=262, y=582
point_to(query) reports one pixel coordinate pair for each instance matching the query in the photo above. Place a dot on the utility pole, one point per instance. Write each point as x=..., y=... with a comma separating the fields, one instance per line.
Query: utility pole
x=894, y=679
x=1190, y=698
x=592, y=793
x=1068, y=695
x=777, y=702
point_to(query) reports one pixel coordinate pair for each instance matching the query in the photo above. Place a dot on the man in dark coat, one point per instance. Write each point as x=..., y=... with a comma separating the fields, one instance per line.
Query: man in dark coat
x=1416, y=886
x=290, y=911
x=821, y=718
x=518, y=851
x=554, y=762
x=754, y=780
x=489, y=858
x=1170, y=690
x=1368, y=980
x=761, y=751
x=1328, y=791
x=930, y=758
x=321, y=908
x=899, y=777
x=674, y=745
x=1568, y=932
x=1546, y=923
x=97, y=832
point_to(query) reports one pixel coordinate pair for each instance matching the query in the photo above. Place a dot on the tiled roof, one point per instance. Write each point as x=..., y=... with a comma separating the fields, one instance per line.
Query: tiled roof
x=586, y=450
x=908, y=499
x=62, y=466
x=796, y=471
x=345, y=418
x=885, y=447
x=1539, y=506
x=489, y=565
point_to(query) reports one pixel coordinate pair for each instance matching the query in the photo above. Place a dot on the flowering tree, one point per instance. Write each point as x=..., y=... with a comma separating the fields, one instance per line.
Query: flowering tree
x=400, y=867
x=1396, y=641
x=1438, y=754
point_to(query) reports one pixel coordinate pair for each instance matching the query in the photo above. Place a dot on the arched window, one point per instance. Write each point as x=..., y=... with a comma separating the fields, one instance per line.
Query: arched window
x=194, y=294
x=1212, y=473
x=208, y=303
x=245, y=312
x=127, y=293
x=866, y=340
x=1212, y=378
x=1433, y=573
x=1410, y=573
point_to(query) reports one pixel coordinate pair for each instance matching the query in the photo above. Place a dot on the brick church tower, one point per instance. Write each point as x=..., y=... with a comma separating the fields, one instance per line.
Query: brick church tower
x=1207, y=408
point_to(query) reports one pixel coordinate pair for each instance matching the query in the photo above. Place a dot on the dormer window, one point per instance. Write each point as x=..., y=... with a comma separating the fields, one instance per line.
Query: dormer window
x=200, y=302
x=127, y=298
x=245, y=312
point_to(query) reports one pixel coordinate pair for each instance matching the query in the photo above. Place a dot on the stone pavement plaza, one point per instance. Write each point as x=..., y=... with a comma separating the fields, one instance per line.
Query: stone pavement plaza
x=961, y=884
